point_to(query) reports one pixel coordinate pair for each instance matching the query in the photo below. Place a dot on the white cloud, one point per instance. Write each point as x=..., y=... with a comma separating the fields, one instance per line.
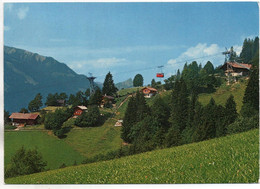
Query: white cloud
x=22, y=12
x=6, y=28
x=200, y=53
x=237, y=49
x=98, y=63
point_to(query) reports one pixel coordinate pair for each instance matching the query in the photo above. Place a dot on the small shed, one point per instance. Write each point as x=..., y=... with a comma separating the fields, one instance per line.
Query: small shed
x=61, y=102
x=236, y=69
x=78, y=110
x=20, y=119
x=107, y=100
x=119, y=123
x=149, y=92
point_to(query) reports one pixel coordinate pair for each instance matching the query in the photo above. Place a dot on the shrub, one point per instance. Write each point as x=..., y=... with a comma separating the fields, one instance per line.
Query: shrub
x=25, y=162
x=9, y=127
x=243, y=124
x=90, y=119
x=63, y=165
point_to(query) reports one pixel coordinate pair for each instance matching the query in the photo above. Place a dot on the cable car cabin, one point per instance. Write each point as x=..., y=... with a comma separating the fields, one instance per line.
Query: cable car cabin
x=160, y=75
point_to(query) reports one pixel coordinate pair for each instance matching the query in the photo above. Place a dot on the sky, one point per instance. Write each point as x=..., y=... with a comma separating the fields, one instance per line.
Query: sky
x=130, y=38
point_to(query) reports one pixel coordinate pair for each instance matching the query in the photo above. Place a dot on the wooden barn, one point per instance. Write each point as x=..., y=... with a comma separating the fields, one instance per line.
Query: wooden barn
x=61, y=102
x=78, y=110
x=107, y=100
x=236, y=69
x=149, y=92
x=20, y=119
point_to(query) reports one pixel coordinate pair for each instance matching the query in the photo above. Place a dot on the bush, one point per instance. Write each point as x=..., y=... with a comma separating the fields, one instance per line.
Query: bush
x=9, y=127
x=243, y=124
x=89, y=119
x=25, y=162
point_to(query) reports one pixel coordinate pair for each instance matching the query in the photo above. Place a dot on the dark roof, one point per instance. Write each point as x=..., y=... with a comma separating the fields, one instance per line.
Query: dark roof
x=61, y=101
x=108, y=97
x=23, y=116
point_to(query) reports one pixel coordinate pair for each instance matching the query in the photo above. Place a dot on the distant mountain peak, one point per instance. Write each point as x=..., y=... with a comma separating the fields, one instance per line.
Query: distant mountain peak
x=27, y=73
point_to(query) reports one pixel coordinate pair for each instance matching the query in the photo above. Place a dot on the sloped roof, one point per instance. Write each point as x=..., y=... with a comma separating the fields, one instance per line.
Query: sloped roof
x=108, y=97
x=23, y=116
x=150, y=88
x=82, y=107
x=240, y=65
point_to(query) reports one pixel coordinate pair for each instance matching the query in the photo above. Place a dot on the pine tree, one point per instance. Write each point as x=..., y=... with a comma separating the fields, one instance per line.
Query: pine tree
x=209, y=68
x=221, y=122
x=160, y=112
x=247, y=50
x=36, y=103
x=109, y=86
x=96, y=98
x=142, y=109
x=209, y=120
x=138, y=80
x=231, y=111
x=197, y=128
x=129, y=119
x=251, y=96
x=153, y=83
x=180, y=104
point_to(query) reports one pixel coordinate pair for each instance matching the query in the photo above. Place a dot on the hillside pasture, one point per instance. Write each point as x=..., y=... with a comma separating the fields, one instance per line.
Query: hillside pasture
x=230, y=159
x=53, y=150
x=91, y=141
x=223, y=92
x=127, y=91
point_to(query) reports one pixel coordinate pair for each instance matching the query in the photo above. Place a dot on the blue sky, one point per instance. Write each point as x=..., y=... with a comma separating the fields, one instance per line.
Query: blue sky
x=130, y=38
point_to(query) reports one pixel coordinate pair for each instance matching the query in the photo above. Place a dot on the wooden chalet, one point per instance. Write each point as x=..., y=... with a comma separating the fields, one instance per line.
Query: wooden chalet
x=78, y=110
x=20, y=119
x=236, y=69
x=149, y=92
x=107, y=99
x=61, y=102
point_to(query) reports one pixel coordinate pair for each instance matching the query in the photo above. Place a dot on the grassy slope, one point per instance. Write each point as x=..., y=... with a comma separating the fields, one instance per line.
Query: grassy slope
x=53, y=150
x=95, y=140
x=128, y=91
x=231, y=159
x=223, y=93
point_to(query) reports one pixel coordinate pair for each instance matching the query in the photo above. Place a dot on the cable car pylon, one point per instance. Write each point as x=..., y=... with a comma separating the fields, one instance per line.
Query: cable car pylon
x=91, y=79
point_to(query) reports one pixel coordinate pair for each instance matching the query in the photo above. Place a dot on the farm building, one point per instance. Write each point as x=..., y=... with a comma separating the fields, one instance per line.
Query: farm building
x=20, y=119
x=149, y=92
x=61, y=102
x=78, y=110
x=119, y=123
x=236, y=69
x=107, y=100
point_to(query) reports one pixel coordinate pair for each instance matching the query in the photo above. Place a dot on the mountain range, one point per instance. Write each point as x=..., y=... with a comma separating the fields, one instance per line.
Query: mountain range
x=27, y=73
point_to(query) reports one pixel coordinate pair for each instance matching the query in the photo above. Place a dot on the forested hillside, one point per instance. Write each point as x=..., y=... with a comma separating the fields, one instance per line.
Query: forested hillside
x=26, y=74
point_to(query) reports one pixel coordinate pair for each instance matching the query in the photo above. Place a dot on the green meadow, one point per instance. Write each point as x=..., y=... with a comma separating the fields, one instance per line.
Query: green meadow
x=223, y=92
x=230, y=159
x=53, y=150
x=95, y=140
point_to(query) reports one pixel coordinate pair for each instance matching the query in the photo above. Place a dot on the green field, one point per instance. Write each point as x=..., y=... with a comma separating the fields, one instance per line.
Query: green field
x=230, y=159
x=223, y=93
x=53, y=150
x=128, y=91
x=95, y=140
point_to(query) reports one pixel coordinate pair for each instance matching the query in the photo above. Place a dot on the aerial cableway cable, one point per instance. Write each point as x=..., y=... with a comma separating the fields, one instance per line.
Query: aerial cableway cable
x=116, y=73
